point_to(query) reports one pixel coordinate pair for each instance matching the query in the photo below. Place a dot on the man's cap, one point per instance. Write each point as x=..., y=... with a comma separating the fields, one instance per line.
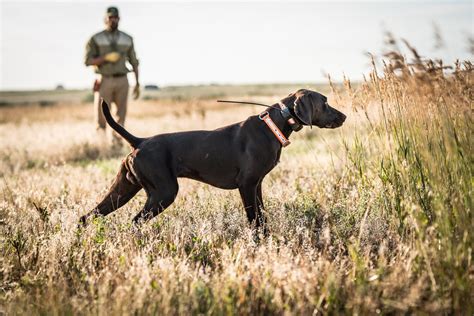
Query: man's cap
x=112, y=11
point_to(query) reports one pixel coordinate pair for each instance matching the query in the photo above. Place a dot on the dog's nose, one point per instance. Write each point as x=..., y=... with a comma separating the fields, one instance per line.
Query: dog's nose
x=343, y=117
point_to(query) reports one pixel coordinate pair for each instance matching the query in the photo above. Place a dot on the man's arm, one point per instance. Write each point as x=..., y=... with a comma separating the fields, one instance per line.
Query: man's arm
x=135, y=70
x=97, y=61
x=132, y=58
x=136, y=90
x=92, y=57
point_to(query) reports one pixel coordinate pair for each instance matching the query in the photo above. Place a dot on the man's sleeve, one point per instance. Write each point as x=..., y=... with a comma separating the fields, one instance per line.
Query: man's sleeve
x=92, y=51
x=132, y=57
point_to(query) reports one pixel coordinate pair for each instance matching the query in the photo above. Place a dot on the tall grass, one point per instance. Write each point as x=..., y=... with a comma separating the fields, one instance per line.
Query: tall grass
x=421, y=154
x=375, y=217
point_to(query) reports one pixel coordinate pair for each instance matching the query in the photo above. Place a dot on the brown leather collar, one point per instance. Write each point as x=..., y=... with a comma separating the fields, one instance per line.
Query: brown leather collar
x=265, y=116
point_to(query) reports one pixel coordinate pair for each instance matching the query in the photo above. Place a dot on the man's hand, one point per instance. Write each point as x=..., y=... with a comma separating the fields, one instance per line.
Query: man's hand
x=112, y=57
x=136, y=92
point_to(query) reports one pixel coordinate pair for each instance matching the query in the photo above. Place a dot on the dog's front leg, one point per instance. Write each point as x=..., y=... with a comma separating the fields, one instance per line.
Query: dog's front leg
x=260, y=208
x=248, y=193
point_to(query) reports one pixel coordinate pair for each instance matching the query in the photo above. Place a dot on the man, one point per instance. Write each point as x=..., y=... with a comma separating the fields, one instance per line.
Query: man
x=108, y=51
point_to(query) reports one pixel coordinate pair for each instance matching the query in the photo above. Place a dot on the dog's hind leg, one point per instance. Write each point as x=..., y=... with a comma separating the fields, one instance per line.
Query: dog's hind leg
x=158, y=198
x=121, y=191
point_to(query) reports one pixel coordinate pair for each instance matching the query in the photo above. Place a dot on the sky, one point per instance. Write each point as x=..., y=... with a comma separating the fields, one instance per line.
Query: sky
x=180, y=43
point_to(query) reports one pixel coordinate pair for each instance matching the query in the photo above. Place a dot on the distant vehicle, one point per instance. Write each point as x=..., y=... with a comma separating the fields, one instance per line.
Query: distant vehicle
x=151, y=87
x=59, y=87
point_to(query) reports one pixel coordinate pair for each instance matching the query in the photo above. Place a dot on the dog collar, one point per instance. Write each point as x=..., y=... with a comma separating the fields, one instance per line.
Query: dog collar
x=265, y=116
x=285, y=112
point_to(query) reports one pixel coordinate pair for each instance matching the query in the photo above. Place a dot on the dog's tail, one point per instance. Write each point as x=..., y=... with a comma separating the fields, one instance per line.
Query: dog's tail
x=132, y=140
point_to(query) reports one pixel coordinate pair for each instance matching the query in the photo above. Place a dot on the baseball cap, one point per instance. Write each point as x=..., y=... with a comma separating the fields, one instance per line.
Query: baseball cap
x=112, y=11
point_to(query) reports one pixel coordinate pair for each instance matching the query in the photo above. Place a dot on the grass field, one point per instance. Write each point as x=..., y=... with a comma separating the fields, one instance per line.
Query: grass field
x=373, y=217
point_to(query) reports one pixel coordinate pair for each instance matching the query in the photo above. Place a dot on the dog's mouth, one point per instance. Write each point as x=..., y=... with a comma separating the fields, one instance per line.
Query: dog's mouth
x=336, y=123
x=333, y=125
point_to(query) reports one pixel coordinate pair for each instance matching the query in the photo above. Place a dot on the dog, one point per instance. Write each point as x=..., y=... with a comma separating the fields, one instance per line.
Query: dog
x=237, y=156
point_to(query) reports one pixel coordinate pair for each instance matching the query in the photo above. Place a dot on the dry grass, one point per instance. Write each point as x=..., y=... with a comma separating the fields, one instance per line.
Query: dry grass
x=375, y=217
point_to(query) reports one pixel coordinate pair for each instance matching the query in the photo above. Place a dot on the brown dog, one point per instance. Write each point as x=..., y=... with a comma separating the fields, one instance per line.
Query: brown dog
x=237, y=156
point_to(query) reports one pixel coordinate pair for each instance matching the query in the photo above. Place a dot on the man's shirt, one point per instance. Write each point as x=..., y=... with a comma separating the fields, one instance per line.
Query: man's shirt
x=106, y=42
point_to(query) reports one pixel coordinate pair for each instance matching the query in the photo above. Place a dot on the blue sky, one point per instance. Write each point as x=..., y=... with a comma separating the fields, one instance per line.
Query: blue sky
x=42, y=43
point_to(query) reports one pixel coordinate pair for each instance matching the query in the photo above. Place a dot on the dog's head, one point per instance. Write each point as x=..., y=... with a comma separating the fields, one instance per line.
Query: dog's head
x=312, y=108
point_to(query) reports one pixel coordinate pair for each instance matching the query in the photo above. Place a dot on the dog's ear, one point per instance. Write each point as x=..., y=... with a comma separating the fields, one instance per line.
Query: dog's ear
x=304, y=109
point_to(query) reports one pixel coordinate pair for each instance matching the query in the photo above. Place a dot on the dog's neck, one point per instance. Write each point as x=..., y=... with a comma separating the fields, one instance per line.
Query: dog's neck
x=291, y=123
